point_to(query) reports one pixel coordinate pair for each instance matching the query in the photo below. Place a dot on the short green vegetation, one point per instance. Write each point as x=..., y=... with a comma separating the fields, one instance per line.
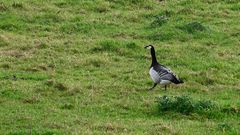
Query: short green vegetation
x=80, y=67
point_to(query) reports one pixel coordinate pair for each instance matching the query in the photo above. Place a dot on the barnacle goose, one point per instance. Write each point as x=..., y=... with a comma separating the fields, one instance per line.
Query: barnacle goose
x=160, y=74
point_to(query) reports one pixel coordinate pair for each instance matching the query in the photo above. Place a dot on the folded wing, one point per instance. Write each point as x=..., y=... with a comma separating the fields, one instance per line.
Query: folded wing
x=166, y=74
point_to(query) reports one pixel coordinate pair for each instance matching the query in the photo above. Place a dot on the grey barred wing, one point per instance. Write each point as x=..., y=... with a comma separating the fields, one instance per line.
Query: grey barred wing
x=166, y=73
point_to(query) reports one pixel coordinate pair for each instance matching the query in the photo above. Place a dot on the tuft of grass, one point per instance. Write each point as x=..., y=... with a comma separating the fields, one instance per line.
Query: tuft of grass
x=5, y=66
x=31, y=100
x=95, y=63
x=3, y=7
x=61, y=4
x=235, y=7
x=67, y=106
x=102, y=7
x=107, y=46
x=159, y=21
x=50, y=82
x=47, y=18
x=192, y=27
x=43, y=46
x=17, y=5
x=185, y=105
x=124, y=48
x=77, y=27
x=161, y=18
x=61, y=86
x=224, y=127
x=57, y=85
x=161, y=36
x=34, y=132
x=132, y=3
x=3, y=43
x=231, y=110
x=132, y=46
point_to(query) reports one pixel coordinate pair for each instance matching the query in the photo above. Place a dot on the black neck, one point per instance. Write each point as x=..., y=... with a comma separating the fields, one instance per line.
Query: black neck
x=154, y=59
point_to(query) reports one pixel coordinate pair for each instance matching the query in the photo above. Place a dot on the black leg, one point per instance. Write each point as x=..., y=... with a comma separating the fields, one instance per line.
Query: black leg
x=155, y=84
x=165, y=87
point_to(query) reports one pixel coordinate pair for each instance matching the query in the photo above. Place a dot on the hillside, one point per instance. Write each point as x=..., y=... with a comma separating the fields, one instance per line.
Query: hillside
x=80, y=67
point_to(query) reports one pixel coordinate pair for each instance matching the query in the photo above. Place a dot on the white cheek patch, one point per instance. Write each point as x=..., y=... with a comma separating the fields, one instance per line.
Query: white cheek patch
x=149, y=47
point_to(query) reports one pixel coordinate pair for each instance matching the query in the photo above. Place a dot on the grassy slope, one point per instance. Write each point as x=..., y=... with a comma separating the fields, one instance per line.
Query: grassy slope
x=80, y=67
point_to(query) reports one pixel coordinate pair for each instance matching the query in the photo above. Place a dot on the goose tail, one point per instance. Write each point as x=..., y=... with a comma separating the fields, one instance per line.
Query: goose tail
x=180, y=81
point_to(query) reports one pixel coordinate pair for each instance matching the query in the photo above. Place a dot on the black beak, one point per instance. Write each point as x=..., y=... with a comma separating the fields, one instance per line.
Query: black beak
x=146, y=47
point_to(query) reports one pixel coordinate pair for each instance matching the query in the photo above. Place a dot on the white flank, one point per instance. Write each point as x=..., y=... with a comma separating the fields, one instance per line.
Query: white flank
x=165, y=82
x=154, y=75
x=156, y=78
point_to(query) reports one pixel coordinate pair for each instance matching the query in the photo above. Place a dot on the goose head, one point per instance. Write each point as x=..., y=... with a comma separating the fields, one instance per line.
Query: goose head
x=148, y=47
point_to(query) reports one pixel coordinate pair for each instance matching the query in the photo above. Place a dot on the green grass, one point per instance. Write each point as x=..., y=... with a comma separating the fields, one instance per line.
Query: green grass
x=79, y=67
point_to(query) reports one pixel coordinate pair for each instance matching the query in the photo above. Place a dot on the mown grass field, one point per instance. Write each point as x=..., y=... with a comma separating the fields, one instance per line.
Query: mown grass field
x=79, y=67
